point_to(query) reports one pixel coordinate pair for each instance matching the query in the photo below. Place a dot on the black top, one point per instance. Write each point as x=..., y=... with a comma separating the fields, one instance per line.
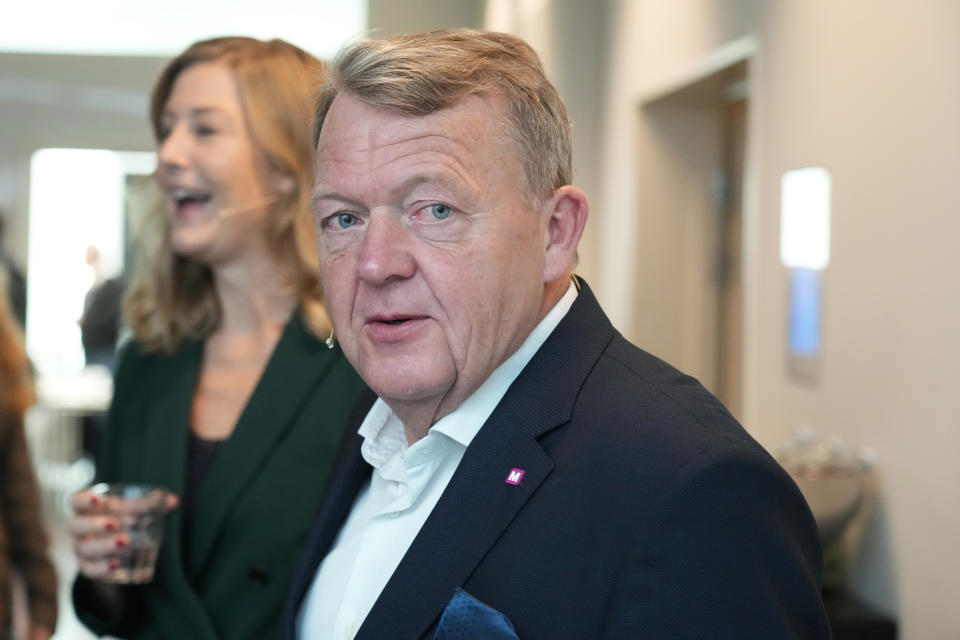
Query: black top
x=200, y=456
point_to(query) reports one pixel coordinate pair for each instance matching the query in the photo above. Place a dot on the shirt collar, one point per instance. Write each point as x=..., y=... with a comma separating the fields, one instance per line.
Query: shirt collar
x=383, y=432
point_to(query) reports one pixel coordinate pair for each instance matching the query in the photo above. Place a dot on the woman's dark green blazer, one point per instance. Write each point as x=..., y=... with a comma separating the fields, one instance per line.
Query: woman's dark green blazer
x=256, y=504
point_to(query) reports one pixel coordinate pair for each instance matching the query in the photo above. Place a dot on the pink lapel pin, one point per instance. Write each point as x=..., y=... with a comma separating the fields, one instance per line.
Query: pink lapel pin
x=515, y=476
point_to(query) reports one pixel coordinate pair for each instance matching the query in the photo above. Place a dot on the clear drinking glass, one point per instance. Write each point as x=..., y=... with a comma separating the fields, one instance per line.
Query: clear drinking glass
x=141, y=513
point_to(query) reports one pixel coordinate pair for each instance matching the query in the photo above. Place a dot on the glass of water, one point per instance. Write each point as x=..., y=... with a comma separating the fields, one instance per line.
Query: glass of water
x=141, y=512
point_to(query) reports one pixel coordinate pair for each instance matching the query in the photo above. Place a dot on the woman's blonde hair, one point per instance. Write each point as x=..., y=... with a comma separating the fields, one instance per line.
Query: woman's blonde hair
x=16, y=382
x=171, y=297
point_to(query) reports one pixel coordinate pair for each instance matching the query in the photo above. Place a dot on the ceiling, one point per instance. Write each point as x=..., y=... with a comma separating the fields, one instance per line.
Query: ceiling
x=163, y=28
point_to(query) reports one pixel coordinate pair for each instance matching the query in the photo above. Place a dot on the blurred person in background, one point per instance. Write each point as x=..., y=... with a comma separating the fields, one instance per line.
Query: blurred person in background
x=23, y=541
x=16, y=281
x=100, y=322
x=227, y=395
x=99, y=332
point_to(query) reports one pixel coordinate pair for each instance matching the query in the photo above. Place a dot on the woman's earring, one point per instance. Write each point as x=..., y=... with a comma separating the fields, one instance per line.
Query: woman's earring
x=329, y=340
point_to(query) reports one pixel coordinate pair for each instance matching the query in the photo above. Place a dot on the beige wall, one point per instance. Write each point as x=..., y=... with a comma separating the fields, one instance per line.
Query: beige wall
x=564, y=33
x=65, y=101
x=388, y=17
x=870, y=90
x=645, y=56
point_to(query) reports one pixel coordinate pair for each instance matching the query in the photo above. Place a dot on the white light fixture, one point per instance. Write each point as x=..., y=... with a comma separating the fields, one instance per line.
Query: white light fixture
x=805, y=250
x=805, y=218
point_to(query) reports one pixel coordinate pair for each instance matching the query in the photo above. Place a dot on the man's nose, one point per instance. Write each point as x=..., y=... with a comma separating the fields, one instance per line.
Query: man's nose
x=385, y=250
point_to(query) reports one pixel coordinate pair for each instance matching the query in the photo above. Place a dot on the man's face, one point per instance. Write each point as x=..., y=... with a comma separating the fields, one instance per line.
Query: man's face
x=432, y=260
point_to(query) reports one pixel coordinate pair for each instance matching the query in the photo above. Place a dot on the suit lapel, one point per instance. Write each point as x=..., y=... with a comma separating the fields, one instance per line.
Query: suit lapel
x=478, y=504
x=291, y=374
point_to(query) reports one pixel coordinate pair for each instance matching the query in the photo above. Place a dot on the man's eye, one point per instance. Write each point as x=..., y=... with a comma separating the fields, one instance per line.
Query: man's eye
x=204, y=130
x=440, y=211
x=345, y=220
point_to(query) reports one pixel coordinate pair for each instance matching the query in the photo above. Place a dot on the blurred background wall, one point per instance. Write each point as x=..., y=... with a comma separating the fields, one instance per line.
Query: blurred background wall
x=60, y=100
x=685, y=111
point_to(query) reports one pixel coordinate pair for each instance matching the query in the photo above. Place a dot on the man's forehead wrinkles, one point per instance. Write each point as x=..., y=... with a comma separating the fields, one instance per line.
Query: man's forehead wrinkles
x=408, y=166
x=427, y=161
x=415, y=164
x=447, y=152
x=392, y=138
x=428, y=143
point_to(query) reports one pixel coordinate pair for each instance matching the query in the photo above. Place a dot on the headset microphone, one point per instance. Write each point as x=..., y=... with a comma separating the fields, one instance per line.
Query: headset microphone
x=229, y=212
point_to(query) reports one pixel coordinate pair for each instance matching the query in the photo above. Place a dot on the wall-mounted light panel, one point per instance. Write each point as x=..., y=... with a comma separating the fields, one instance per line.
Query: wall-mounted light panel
x=805, y=196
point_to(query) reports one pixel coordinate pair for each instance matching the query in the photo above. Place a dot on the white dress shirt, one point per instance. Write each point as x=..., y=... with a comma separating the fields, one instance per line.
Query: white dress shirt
x=405, y=486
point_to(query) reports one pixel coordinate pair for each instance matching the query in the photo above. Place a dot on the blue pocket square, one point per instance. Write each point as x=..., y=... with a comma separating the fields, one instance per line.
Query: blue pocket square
x=466, y=618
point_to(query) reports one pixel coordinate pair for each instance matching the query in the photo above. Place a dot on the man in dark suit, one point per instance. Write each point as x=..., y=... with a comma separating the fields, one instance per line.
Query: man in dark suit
x=526, y=472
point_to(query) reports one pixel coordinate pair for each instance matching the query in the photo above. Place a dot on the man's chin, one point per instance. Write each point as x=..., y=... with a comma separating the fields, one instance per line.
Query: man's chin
x=406, y=393
x=405, y=390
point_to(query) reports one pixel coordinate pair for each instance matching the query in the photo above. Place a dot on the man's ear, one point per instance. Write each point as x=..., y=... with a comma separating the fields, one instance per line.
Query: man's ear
x=568, y=211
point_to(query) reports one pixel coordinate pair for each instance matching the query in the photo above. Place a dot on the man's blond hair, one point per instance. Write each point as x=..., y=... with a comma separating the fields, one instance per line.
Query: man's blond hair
x=422, y=73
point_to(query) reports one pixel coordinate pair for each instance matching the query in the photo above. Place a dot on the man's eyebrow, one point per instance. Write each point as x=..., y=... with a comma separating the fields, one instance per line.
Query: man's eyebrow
x=443, y=181
x=319, y=195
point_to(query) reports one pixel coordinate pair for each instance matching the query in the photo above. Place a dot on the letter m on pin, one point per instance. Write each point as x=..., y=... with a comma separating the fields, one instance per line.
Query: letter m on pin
x=515, y=476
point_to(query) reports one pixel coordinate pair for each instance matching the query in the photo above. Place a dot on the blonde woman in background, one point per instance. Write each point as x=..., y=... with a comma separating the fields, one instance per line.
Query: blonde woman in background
x=23, y=541
x=227, y=394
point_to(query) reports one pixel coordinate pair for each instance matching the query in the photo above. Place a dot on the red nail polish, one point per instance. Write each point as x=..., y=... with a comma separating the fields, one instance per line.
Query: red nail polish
x=113, y=565
x=121, y=543
x=94, y=500
x=110, y=526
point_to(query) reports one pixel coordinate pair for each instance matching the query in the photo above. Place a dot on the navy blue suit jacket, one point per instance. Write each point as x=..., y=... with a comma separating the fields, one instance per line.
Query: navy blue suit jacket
x=645, y=511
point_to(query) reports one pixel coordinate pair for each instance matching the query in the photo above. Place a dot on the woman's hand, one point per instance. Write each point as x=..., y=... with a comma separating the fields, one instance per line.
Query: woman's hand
x=99, y=528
